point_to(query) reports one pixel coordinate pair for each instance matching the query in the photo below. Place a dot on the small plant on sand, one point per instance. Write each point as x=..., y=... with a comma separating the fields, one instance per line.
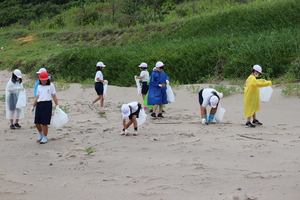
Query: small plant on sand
x=89, y=150
x=2, y=98
x=226, y=90
x=102, y=114
x=193, y=88
x=64, y=108
x=61, y=86
x=291, y=89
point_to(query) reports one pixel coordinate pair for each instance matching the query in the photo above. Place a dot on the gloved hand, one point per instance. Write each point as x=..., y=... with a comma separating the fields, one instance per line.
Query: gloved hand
x=160, y=85
x=57, y=108
x=20, y=88
x=168, y=82
x=32, y=109
x=203, y=121
x=105, y=82
x=135, y=77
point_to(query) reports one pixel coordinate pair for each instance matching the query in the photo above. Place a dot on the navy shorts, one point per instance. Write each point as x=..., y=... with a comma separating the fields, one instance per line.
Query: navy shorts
x=43, y=113
x=135, y=113
x=200, y=97
x=145, y=88
x=99, y=88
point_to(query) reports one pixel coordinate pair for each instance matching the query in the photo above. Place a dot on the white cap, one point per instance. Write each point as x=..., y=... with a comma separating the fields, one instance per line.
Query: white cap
x=100, y=64
x=159, y=64
x=220, y=95
x=125, y=110
x=143, y=65
x=18, y=73
x=257, y=68
x=214, y=100
x=41, y=70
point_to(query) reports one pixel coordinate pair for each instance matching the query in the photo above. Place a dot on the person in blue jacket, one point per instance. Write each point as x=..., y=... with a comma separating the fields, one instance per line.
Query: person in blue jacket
x=157, y=94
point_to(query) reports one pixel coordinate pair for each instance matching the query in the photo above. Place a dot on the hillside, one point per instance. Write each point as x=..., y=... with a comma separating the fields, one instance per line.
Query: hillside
x=196, y=40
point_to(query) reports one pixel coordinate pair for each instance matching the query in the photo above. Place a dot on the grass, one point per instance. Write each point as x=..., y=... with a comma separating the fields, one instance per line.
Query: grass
x=291, y=90
x=61, y=86
x=90, y=150
x=2, y=98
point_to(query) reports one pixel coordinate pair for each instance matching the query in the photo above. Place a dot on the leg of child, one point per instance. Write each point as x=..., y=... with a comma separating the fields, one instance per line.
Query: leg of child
x=135, y=125
x=97, y=99
x=101, y=101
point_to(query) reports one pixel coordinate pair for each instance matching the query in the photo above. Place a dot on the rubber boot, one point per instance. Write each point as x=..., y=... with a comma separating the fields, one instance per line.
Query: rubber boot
x=211, y=118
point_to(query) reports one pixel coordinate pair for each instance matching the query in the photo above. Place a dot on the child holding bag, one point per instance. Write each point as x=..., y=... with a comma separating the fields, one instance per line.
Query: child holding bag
x=42, y=106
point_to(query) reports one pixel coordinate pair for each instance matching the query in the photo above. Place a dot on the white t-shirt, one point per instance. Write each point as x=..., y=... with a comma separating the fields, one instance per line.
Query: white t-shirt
x=206, y=94
x=45, y=92
x=133, y=107
x=98, y=75
x=145, y=75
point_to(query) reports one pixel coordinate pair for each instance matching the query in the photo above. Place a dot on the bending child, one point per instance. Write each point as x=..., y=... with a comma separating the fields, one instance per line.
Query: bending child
x=130, y=110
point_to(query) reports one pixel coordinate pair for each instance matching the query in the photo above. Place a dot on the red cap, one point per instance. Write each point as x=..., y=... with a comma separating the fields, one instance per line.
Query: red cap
x=44, y=76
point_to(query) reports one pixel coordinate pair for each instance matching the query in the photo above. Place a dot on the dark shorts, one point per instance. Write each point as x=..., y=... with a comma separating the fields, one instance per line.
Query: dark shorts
x=43, y=113
x=99, y=88
x=145, y=88
x=135, y=113
x=200, y=97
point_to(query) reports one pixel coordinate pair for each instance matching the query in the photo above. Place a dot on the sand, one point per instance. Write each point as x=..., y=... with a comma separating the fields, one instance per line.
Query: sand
x=173, y=158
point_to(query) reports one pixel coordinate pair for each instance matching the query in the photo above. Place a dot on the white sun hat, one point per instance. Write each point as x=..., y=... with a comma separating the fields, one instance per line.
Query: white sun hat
x=100, y=64
x=125, y=110
x=143, y=65
x=159, y=64
x=18, y=73
x=214, y=100
x=257, y=68
x=41, y=70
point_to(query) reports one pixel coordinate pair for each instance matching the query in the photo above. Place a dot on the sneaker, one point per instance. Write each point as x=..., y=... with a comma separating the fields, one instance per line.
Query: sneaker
x=103, y=109
x=150, y=110
x=39, y=138
x=91, y=106
x=122, y=132
x=248, y=124
x=44, y=140
x=163, y=110
x=153, y=115
x=256, y=122
x=160, y=115
x=135, y=133
x=17, y=125
x=12, y=126
x=126, y=132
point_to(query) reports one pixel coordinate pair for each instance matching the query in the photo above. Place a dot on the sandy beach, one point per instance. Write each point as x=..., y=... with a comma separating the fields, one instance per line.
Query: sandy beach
x=174, y=158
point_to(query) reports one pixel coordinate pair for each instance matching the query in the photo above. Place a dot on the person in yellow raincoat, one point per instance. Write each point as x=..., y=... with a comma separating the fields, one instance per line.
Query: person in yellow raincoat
x=252, y=96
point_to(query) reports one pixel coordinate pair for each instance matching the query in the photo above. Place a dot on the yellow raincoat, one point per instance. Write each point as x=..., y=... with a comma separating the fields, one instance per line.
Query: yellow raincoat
x=251, y=94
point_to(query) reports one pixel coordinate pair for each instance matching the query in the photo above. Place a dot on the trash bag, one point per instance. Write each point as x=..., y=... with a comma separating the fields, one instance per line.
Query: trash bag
x=59, y=119
x=220, y=113
x=105, y=90
x=142, y=117
x=170, y=94
x=138, y=85
x=21, y=103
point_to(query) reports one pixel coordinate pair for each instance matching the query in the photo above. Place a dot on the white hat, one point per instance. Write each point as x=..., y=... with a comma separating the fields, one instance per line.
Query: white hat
x=100, y=64
x=125, y=110
x=257, y=68
x=214, y=100
x=41, y=70
x=220, y=95
x=159, y=64
x=143, y=65
x=18, y=73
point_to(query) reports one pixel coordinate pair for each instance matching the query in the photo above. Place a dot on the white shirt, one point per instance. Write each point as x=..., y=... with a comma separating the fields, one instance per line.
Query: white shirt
x=145, y=75
x=98, y=75
x=133, y=107
x=206, y=94
x=45, y=92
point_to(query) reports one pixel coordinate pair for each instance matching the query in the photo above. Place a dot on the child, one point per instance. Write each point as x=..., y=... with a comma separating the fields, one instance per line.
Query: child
x=13, y=88
x=157, y=94
x=209, y=96
x=43, y=104
x=99, y=81
x=130, y=110
x=252, y=96
x=37, y=83
x=144, y=76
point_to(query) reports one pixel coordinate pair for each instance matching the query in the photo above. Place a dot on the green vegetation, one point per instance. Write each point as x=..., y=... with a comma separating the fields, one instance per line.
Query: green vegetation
x=227, y=90
x=89, y=150
x=2, y=98
x=291, y=89
x=197, y=40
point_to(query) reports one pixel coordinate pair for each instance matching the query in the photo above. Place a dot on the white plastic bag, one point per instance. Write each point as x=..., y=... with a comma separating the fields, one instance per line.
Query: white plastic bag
x=170, y=94
x=137, y=82
x=220, y=113
x=59, y=119
x=21, y=103
x=105, y=90
x=265, y=93
x=142, y=117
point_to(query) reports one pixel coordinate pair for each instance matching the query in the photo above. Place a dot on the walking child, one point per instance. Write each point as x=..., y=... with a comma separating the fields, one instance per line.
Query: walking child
x=252, y=96
x=130, y=110
x=12, y=91
x=42, y=106
x=99, y=81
